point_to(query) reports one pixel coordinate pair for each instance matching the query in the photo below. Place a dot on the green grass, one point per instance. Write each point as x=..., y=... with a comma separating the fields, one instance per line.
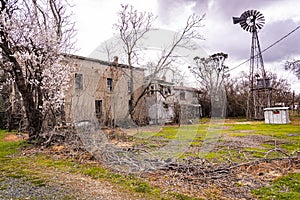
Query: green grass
x=286, y=187
x=287, y=137
x=31, y=169
x=7, y=148
x=276, y=130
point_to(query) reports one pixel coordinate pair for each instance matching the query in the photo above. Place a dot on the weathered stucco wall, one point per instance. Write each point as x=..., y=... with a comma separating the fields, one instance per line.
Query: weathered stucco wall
x=81, y=101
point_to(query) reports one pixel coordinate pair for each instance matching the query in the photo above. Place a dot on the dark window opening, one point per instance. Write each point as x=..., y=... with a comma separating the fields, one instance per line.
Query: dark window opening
x=79, y=81
x=182, y=95
x=109, y=84
x=98, y=108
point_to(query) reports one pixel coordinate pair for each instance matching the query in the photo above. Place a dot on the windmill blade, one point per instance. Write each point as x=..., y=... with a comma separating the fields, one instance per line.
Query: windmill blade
x=251, y=29
x=244, y=26
x=248, y=28
x=255, y=13
x=259, y=16
x=259, y=26
x=250, y=13
x=246, y=14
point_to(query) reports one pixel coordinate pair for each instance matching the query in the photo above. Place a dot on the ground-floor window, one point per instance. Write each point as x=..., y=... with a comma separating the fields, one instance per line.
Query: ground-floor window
x=98, y=108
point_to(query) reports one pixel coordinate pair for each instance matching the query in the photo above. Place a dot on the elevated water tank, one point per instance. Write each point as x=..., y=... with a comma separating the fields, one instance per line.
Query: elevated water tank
x=263, y=83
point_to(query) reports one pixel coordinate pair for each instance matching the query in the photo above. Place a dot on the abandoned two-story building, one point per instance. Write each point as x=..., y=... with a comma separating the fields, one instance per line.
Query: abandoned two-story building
x=102, y=90
x=168, y=103
x=190, y=106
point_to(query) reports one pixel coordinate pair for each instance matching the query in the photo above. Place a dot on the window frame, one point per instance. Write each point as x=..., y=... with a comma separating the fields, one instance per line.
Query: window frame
x=78, y=82
x=109, y=84
x=99, y=107
x=182, y=95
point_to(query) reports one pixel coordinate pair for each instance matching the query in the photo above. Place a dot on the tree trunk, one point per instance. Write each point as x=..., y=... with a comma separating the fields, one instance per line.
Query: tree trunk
x=32, y=110
x=33, y=115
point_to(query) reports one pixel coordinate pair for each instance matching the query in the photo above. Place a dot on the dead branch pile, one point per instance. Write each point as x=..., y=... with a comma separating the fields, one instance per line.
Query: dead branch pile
x=201, y=178
x=193, y=176
x=64, y=142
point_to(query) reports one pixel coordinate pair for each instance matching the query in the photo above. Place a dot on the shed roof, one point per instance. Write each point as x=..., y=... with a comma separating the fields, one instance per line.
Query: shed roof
x=277, y=108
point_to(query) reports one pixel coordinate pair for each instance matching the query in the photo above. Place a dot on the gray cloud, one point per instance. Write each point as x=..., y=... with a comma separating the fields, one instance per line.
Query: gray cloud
x=168, y=8
x=285, y=48
x=231, y=8
x=222, y=35
x=225, y=8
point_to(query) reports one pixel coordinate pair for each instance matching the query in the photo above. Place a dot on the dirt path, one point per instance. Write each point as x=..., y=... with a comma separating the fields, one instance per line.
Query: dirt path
x=60, y=185
x=85, y=187
x=53, y=183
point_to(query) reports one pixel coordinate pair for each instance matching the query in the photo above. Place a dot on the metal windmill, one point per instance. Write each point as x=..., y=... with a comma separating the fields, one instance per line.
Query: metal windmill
x=259, y=94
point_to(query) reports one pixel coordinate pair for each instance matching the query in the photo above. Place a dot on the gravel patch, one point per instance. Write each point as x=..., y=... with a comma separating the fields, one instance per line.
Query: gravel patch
x=17, y=188
x=61, y=186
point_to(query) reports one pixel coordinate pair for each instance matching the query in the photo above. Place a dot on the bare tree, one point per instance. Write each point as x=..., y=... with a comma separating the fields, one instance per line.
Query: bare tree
x=133, y=26
x=210, y=73
x=293, y=66
x=33, y=36
x=281, y=90
x=110, y=49
x=237, y=94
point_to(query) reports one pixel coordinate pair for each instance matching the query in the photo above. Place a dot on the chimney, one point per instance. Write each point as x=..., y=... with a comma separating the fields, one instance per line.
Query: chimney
x=116, y=60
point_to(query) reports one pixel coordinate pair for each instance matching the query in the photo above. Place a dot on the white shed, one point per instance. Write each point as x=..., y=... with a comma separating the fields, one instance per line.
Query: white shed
x=277, y=115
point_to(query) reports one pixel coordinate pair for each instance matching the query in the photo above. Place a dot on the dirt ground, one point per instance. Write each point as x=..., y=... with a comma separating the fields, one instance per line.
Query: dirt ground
x=15, y=137
x=74, y=185
x=229, y=181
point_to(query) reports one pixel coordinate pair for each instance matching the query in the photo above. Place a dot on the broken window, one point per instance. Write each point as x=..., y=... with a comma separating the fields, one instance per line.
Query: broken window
x=79, y=81
x=98, y=108
x=109, y=84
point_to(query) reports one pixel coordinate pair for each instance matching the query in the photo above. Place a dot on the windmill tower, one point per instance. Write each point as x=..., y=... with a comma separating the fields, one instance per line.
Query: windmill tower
x=259, y=91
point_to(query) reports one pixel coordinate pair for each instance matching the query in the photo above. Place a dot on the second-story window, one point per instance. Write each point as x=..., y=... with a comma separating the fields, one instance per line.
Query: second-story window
x=78, y=81
x=182, y=95
x=109, y=84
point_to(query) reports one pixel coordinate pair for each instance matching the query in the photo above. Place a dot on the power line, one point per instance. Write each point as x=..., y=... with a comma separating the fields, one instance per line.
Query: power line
x=282, y=38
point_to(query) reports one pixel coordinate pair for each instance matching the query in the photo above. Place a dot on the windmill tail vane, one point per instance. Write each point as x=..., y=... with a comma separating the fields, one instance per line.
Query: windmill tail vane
x=236, y=20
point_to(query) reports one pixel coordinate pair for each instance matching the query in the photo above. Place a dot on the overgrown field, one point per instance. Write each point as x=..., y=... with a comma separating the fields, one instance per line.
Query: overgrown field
x=249, y=160
x=255, y=139
x=253, y=158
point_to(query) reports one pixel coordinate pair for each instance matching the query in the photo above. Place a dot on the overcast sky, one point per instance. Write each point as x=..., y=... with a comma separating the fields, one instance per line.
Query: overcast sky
x=95, y=18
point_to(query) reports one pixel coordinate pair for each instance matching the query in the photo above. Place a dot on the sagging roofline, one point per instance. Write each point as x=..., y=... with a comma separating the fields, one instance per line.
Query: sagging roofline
x=102, y=62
